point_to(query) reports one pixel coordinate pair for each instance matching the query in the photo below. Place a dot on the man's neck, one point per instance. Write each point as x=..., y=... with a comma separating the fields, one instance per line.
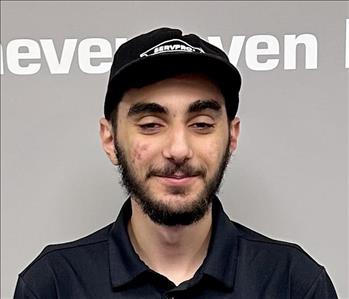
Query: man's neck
x=173, y=251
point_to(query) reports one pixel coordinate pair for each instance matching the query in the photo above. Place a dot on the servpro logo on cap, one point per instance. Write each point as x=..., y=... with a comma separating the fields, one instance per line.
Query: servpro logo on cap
x=172, y=45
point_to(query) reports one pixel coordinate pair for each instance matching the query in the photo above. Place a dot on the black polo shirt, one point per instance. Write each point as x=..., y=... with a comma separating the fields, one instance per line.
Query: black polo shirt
x=240, y=264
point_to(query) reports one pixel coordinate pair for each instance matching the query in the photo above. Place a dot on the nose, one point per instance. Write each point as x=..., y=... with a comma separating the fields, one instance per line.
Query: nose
x=177, y=148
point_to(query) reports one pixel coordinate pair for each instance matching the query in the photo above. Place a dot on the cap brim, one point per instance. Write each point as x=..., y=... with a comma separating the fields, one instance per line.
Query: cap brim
x=149, y=69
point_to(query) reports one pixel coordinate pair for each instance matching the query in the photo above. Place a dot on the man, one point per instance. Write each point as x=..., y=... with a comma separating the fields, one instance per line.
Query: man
x=170, y=125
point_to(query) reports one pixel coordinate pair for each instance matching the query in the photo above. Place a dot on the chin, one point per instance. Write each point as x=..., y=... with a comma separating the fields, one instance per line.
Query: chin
x=177, y=202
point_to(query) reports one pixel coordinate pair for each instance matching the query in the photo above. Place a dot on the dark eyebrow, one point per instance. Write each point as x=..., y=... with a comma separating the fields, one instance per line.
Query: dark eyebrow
x=200, y=105
x=139, y=108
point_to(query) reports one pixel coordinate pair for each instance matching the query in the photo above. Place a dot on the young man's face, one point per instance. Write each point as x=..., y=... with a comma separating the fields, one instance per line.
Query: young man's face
x=172, y=143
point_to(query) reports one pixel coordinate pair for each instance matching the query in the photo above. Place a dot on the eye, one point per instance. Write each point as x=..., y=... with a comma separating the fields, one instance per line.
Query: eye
x=202, y=127
x=150, y=128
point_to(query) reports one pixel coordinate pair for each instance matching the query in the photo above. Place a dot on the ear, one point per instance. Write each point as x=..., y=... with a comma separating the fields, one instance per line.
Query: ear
x=107, y=139
x=234, y=134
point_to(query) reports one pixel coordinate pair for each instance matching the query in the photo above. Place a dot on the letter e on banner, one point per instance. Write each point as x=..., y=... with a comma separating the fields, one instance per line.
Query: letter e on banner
x=16, y=58
x=253, y=52
x=86, y=55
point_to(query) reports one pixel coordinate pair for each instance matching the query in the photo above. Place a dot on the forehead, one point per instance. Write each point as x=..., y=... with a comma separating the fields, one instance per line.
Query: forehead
x=175, y=93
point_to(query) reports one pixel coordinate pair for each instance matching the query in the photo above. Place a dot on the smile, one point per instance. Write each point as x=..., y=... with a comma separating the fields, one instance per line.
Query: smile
x=176, y=180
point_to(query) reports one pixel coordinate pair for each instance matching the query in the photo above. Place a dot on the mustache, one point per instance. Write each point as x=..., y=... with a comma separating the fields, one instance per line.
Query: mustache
x=170, y=170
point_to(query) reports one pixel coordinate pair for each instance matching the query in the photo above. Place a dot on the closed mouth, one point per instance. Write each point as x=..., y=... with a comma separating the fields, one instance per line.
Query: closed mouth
x=177, y=180
x=178, y=177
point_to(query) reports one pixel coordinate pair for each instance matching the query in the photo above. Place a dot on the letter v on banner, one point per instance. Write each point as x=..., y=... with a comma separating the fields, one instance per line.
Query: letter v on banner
x=235, y=46
x=62, y=65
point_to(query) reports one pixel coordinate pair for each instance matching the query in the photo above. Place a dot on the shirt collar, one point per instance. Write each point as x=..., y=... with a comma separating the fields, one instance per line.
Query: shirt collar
x=125, y=264
x=220, y=262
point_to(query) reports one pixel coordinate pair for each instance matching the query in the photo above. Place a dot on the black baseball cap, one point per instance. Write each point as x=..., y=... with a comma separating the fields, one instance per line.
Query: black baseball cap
x=164, y=53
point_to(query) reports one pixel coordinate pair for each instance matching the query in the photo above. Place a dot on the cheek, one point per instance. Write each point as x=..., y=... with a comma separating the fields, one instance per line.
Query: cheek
x=213, y=152
x=139, y=153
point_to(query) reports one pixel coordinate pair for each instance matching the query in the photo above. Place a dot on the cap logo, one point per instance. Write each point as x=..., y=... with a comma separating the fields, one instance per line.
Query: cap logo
x=172, y=45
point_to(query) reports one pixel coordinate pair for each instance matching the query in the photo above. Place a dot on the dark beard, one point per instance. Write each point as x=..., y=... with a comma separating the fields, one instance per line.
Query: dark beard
x=158, y=211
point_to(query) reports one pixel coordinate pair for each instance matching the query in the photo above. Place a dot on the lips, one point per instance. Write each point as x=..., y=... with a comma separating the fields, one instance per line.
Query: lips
x=178, y=176
x=177, y=180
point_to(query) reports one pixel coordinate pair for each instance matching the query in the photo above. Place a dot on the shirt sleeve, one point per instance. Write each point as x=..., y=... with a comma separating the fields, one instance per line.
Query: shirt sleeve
x=322, y=288
x=23, y=291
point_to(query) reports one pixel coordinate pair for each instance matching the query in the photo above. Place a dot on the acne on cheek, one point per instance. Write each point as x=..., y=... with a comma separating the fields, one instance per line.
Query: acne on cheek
x=138, y=152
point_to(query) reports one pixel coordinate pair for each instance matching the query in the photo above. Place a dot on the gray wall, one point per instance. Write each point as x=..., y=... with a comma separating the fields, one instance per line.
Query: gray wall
x=289, y=179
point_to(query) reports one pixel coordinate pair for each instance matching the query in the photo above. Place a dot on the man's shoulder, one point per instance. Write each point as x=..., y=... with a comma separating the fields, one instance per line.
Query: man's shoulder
x=77, y=249
x=283, y=263
x=270, y=256
x=57, y=263
x=255, y=241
